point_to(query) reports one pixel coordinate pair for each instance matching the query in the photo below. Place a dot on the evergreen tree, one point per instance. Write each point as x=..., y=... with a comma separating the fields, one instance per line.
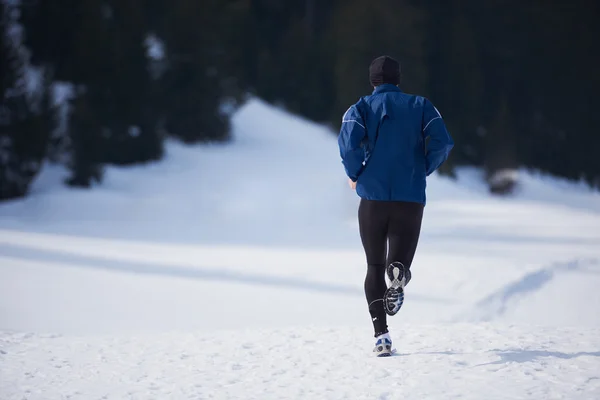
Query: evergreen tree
x=85, y=133
x=98, y=46
x=204, y=58
x=121, y=88
x=562, y=120
x=514, y=87
x=24, y=127
x=500, y=152
x=295, y=65
x=456, y=78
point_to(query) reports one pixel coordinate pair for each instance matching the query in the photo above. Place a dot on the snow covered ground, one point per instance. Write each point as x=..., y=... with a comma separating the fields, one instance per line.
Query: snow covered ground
x=236, y=271
x=433, y=362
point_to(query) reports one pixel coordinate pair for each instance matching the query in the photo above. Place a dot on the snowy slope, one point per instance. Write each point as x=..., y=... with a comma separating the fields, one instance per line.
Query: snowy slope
x=175, y=279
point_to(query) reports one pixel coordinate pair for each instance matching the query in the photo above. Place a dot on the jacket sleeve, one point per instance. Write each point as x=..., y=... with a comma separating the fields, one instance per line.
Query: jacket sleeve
x=350, y=140
x=440, y=141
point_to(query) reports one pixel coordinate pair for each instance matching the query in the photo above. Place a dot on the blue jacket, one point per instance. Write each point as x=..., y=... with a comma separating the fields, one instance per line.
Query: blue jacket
x=382, y=143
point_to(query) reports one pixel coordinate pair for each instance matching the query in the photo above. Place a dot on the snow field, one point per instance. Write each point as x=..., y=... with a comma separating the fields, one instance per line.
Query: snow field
x=236, y=271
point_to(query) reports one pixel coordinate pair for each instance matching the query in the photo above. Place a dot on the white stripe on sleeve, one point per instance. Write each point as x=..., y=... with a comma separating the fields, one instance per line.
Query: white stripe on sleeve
x=433, y=119
x=353, y=120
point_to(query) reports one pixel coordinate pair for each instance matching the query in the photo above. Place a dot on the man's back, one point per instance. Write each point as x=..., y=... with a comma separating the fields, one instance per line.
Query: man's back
x=382, y=143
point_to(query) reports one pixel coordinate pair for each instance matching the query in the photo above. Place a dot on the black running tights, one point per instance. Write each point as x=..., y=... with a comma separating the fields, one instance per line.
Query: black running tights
x=389, y=231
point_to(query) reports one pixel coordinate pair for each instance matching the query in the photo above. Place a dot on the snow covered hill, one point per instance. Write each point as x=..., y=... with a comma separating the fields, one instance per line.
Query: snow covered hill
x=236, y=271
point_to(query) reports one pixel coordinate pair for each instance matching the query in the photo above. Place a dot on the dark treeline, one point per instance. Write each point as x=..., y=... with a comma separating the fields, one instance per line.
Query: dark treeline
x=516, y=81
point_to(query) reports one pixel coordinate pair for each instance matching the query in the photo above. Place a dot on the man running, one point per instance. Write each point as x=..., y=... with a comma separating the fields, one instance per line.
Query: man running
x=383, y=147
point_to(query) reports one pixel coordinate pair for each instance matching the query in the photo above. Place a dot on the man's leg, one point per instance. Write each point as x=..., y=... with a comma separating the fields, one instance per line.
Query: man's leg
x=404, y=231
x=373, y=224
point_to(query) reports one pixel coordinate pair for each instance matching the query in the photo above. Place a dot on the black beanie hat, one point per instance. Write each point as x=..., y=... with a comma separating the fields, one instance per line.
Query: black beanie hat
x=384, y=69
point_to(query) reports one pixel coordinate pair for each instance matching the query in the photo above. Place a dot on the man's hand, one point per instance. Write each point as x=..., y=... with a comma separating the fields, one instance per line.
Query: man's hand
x=352, y=184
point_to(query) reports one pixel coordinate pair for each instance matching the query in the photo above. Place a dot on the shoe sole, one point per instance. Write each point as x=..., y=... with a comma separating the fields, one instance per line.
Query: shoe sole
x=384, y=350
x=395, y=274
x=387, y=353
x=393, y=298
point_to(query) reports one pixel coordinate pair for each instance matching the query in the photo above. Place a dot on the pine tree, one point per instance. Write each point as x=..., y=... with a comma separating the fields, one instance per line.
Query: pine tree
x=61, y=35
x=121, y=89
x=488, y=97
x=85, y=133
x=455, y=83
x=500, y=152
x=204, y=57
x=294, y=65
x=24, y=127
x=563, y=116
x=98, y=47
